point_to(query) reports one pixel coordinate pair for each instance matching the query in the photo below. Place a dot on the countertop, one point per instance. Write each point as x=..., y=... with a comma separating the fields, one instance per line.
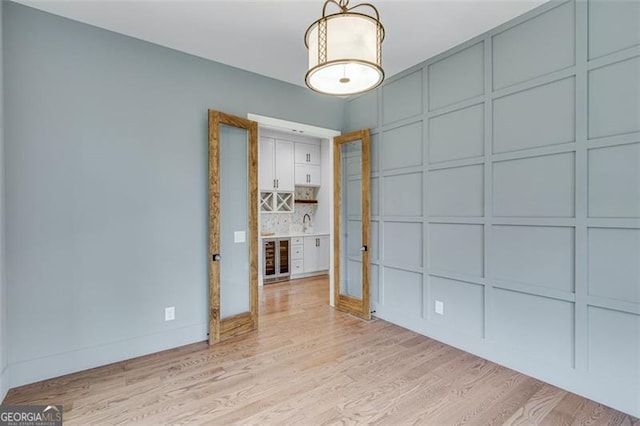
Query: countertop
x=295, y=234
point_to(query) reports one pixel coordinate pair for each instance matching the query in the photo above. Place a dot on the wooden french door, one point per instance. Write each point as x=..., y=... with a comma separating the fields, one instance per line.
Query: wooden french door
x=233, y=225
x=351, y=172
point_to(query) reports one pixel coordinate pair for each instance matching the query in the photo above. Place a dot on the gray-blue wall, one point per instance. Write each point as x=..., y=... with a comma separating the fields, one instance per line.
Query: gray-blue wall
x=106, y=188
x=4, y=376
x=506, y=184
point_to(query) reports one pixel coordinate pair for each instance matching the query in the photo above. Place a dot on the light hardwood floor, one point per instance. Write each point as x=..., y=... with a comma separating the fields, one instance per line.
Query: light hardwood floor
x=309, y=364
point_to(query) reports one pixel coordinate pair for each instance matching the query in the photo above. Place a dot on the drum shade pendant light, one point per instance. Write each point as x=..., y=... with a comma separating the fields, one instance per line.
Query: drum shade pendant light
x=345, y=50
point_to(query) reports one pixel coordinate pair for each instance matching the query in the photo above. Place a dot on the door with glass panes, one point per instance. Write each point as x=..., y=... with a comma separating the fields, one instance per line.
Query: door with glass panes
x=351, y=168
x=233, y=225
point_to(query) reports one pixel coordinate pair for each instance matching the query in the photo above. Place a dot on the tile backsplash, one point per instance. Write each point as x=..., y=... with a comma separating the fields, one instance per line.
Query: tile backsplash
x=282, y=223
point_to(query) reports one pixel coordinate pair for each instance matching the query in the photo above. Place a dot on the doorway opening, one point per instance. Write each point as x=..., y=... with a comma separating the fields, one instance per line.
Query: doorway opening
x=295, y=201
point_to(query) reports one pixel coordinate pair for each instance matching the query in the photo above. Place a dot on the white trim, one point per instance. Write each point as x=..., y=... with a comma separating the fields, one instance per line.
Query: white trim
x=309, y=274
x=288, y=126
x=55, y=365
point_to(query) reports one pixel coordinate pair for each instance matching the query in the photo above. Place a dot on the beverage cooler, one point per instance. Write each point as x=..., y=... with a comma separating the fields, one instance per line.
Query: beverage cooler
x=277, y=260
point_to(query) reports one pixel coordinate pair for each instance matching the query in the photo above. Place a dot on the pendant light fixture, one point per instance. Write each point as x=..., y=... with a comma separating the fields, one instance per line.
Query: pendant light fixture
x=345, y=50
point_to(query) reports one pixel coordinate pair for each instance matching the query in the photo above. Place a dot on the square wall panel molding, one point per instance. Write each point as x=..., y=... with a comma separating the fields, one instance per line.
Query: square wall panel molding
x=507, y=188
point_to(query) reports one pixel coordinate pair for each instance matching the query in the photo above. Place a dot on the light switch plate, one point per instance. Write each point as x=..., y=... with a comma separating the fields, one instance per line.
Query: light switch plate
x=239, y=237
x=439, y=307
x=170, y=313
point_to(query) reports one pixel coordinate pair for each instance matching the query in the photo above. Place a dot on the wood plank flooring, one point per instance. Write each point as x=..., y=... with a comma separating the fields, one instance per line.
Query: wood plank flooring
x=309, y=365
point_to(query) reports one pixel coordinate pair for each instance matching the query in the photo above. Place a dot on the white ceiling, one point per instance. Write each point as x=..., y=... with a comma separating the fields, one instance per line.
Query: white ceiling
x=266, y=36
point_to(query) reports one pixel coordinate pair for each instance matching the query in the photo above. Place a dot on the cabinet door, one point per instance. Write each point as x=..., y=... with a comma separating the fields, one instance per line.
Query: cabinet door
x=307, y=153
x=310, y=254
x=297, y=267
x=266, y=163
x=284, y=166
x=323, y=253
x=314, y=154
x=302, y=174
x=307, y=175
x=314, y=175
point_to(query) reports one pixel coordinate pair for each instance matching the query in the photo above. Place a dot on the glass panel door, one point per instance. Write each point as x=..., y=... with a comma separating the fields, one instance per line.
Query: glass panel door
x=234, y=221
x=351, y=221
x=233, y=226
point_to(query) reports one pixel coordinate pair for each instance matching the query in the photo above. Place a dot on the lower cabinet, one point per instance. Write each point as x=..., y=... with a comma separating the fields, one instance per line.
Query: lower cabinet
x=297, y=255
x=316, y=253
x=309, y=255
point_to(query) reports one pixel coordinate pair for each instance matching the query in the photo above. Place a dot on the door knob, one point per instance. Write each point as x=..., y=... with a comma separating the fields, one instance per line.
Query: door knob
x=216, y=257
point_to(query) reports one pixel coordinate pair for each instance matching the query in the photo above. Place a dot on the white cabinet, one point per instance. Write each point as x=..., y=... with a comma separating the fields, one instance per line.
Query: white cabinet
x=266, y=164
x=307, y=175
x=307, y=153
x=297, y=252
x=323, y=253
x=297, y=256
x=297, y=267
x=307, y=170
x=276, y=175
x=276, y=202
x=316, y=253
x=276, y=165
x=284, y=166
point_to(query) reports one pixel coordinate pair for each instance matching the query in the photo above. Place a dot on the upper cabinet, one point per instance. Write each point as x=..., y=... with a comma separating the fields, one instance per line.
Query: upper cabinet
x=307, y=153
x=307, y=167
x=307, y=175
x=276, y=165
x=285, y=162
x=266, y=164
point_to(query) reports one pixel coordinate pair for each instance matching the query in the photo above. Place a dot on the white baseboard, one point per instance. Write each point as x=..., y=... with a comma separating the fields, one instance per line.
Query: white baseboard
x=308, y=274
x=35, y=370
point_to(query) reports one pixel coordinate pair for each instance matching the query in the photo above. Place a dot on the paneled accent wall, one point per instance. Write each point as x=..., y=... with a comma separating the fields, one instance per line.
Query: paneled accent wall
x=506, y=184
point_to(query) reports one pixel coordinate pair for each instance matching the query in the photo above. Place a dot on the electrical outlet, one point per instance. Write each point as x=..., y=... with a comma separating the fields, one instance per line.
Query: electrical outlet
x=170, y=313
x=439, y=307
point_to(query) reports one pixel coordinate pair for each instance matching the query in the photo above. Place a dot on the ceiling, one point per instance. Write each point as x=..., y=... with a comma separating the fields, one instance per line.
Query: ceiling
x=266, y=36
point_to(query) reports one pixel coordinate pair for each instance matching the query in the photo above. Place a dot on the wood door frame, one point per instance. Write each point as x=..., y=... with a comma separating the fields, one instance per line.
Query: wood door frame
x=359, y=307
x=220, y=329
